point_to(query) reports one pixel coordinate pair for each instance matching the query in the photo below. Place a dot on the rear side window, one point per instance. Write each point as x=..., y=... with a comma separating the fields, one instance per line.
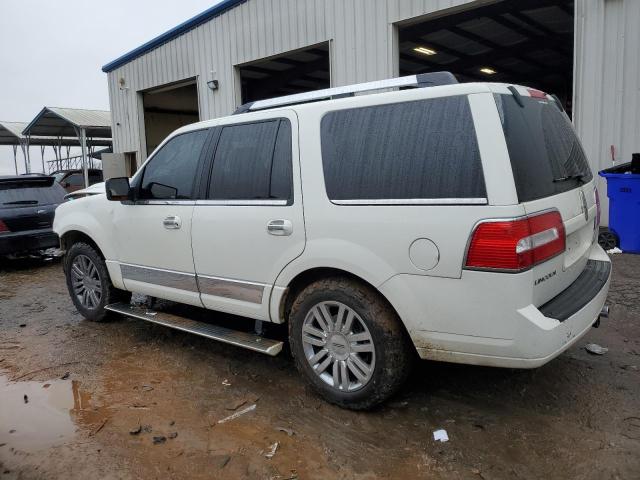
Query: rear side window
x=546, y=155
x=25, y=193
x=170, y=174
x=425, y=149
x=75, y=180
x=253, y=162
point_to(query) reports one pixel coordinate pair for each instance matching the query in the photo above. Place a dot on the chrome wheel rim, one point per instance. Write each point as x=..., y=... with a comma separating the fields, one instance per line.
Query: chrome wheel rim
x=85, y=281
x=338, y=346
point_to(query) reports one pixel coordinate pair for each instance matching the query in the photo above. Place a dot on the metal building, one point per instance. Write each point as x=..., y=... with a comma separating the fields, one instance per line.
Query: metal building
x=585, y=51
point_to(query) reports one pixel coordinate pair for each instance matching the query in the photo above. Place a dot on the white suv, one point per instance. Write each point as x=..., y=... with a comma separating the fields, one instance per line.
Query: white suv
x=458, y=222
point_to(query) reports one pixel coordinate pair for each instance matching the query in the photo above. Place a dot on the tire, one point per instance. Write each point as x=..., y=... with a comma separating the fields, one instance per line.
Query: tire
x=608, y=239
x=382, y=344
x=86, y=271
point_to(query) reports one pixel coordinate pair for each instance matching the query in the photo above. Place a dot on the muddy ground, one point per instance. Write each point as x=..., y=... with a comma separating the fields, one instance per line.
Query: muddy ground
x=129, y=399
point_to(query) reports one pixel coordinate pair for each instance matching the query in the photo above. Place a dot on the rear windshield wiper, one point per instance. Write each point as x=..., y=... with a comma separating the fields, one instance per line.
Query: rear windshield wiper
x=22, y=202
x=578, y=176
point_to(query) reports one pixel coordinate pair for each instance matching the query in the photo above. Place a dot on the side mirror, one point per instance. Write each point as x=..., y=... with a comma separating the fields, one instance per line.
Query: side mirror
x=118, y=189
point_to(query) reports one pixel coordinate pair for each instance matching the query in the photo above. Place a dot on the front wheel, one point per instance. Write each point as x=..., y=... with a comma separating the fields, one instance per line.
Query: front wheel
x=89, y=283
x=348, y=343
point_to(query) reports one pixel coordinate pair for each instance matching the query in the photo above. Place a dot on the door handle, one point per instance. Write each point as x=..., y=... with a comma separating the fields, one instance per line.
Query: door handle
x=280, y=228
x=172, y=222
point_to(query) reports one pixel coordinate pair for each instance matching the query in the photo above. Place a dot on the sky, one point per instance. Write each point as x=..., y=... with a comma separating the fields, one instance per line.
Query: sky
x=52, y=53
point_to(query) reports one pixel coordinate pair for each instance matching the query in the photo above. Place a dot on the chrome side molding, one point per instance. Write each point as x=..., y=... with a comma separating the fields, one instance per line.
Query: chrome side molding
x=215, y=286
x=158, y=276
x=234, y=289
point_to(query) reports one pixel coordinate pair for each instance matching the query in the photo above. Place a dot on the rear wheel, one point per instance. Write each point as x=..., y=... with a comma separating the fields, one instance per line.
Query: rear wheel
x=348, y=343
x=89, y=283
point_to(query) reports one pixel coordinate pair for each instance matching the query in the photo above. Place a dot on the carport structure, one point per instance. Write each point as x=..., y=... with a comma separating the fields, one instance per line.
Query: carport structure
x=11, y=135
x=86, y=126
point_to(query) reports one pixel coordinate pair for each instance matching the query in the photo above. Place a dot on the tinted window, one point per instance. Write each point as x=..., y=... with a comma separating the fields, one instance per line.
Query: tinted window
x=75, y=180
x=422, y=149
x=281, y=175
x=26, y=193
x=171, y=172
x=253, y=161
x=546, y=155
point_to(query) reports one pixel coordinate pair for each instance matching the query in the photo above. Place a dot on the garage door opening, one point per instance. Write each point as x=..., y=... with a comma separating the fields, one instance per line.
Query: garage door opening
x=528, y=42
x=292, y=72
x=167, y=108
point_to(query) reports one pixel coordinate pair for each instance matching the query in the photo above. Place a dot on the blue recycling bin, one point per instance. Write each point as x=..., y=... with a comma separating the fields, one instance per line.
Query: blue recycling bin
x=623, y=190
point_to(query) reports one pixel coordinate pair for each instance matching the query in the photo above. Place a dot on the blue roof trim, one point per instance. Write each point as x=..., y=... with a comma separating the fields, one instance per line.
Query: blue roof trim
x=184, y=27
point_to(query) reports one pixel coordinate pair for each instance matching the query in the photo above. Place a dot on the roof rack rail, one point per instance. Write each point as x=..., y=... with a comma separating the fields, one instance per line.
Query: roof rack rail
x=419, y=81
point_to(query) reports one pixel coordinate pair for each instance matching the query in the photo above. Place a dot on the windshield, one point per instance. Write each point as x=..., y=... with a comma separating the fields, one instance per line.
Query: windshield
x=546, y=155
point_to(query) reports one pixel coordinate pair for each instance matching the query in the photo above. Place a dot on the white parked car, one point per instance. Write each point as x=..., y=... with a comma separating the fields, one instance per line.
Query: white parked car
x=458, y=222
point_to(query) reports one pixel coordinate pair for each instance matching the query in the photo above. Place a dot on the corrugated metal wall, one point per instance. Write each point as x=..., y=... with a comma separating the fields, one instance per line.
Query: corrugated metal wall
x=362, y=50
x=362, y=32
x=607, y=80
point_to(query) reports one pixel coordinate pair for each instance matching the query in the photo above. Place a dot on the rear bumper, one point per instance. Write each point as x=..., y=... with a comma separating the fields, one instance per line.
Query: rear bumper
x=28, y=241
x=588, y=284
x=520, y=336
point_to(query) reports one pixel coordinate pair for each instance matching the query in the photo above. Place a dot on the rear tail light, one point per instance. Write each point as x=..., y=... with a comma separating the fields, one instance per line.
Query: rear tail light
x=536, y=93
x=3, y=227
x=516, y=245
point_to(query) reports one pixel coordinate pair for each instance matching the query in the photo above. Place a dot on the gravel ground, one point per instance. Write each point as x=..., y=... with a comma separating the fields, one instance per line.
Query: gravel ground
x=127, y=399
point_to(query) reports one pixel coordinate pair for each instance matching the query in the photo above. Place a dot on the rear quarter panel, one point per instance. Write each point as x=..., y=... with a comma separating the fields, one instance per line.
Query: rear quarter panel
x=373, y=241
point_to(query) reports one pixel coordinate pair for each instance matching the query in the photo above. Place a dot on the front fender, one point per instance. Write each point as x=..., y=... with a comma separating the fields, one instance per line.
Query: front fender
x=84, y=215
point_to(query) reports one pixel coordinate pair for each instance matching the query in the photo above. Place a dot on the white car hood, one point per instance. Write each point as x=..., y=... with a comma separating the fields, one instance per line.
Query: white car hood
x=95, y=189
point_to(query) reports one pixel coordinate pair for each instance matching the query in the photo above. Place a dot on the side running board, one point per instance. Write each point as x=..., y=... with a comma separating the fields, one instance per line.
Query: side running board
x=246, y=340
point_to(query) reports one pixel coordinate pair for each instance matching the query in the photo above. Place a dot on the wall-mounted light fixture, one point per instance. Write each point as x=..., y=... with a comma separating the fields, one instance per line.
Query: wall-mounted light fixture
x=213, y=83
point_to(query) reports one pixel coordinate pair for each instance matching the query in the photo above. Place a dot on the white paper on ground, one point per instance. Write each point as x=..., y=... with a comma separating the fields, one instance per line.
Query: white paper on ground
x=595, y=349
x=614, y=250
x=440, y=436
x=237, y=414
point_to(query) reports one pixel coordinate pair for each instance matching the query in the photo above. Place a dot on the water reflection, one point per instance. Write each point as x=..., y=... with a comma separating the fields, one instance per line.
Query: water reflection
x=39, y=415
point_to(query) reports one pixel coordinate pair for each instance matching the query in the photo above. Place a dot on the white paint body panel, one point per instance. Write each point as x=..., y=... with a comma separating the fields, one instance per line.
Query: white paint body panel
x=232, y=242
x=139, y=236
x=450, y=313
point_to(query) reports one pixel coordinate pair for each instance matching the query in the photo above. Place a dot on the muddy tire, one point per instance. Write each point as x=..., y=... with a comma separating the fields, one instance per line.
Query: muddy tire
x=89, y=283
x=349, y=343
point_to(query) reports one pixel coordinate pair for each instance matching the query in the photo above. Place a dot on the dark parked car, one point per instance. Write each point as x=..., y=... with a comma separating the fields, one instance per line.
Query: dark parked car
x=27, y=205
x=72, y=180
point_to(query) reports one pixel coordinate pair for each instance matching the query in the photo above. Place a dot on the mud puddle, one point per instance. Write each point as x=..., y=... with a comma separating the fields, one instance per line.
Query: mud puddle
x=38, y=415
